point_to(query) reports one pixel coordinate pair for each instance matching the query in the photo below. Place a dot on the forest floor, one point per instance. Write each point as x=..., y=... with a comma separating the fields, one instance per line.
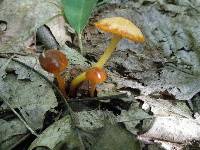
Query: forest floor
x=150, y=101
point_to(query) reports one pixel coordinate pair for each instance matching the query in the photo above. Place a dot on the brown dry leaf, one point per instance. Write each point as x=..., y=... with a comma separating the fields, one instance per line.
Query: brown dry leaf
x=23, y=18
x=58, y=29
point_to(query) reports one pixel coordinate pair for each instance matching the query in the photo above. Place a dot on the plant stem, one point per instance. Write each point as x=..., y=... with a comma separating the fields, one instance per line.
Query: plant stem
x=80, y=42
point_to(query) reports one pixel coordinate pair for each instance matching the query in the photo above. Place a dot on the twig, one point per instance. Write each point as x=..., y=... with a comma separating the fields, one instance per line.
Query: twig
x=15, y=53
x=20, y=141
x=2, y=69
x=82, y=147
x=123, y=95
x=135, y=119
x=18, y=115
x=57, y=5
x=103, y=2
x=168, y=64
x=5, y=101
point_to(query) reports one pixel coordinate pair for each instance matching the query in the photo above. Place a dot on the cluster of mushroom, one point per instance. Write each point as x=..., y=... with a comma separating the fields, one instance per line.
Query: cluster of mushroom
x=55, y=61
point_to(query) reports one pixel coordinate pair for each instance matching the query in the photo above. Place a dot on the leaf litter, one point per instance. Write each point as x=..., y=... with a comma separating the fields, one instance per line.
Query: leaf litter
x=167, y=62
x=29, y=93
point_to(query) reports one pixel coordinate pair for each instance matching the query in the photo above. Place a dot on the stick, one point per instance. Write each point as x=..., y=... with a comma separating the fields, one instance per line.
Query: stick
x=123, y=95
x=20, y=118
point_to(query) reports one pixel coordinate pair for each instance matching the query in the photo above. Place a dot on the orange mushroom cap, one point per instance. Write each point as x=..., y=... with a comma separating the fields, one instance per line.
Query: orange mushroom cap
x=121, y=27
x=53, y=61
x=96, y=75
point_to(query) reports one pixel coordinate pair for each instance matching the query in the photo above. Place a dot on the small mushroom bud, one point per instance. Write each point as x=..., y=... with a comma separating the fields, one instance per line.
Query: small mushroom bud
x=95, y=76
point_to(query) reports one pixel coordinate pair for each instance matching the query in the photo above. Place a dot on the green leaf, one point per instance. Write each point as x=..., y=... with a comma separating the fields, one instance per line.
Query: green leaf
x=78, y=12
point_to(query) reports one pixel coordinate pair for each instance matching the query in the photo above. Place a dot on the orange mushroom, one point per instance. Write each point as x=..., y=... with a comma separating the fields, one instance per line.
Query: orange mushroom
x=95, y=76
x=54, y=61
x=120, y=28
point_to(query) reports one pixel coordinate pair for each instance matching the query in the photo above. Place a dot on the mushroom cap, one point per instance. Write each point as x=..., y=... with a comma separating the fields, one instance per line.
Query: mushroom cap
x=53, y=61
x=96, y=75
x=121, y=27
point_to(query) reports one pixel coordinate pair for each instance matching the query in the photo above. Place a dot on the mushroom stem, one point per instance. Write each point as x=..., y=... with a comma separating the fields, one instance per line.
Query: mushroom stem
x=76, y=82
x=108, y=51
x=92, y=89
x=61, y=83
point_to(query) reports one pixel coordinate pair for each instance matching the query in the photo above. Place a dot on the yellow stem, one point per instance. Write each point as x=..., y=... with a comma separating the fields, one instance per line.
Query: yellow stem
x=76, y=82
x=108, y=51
x=80, y=78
